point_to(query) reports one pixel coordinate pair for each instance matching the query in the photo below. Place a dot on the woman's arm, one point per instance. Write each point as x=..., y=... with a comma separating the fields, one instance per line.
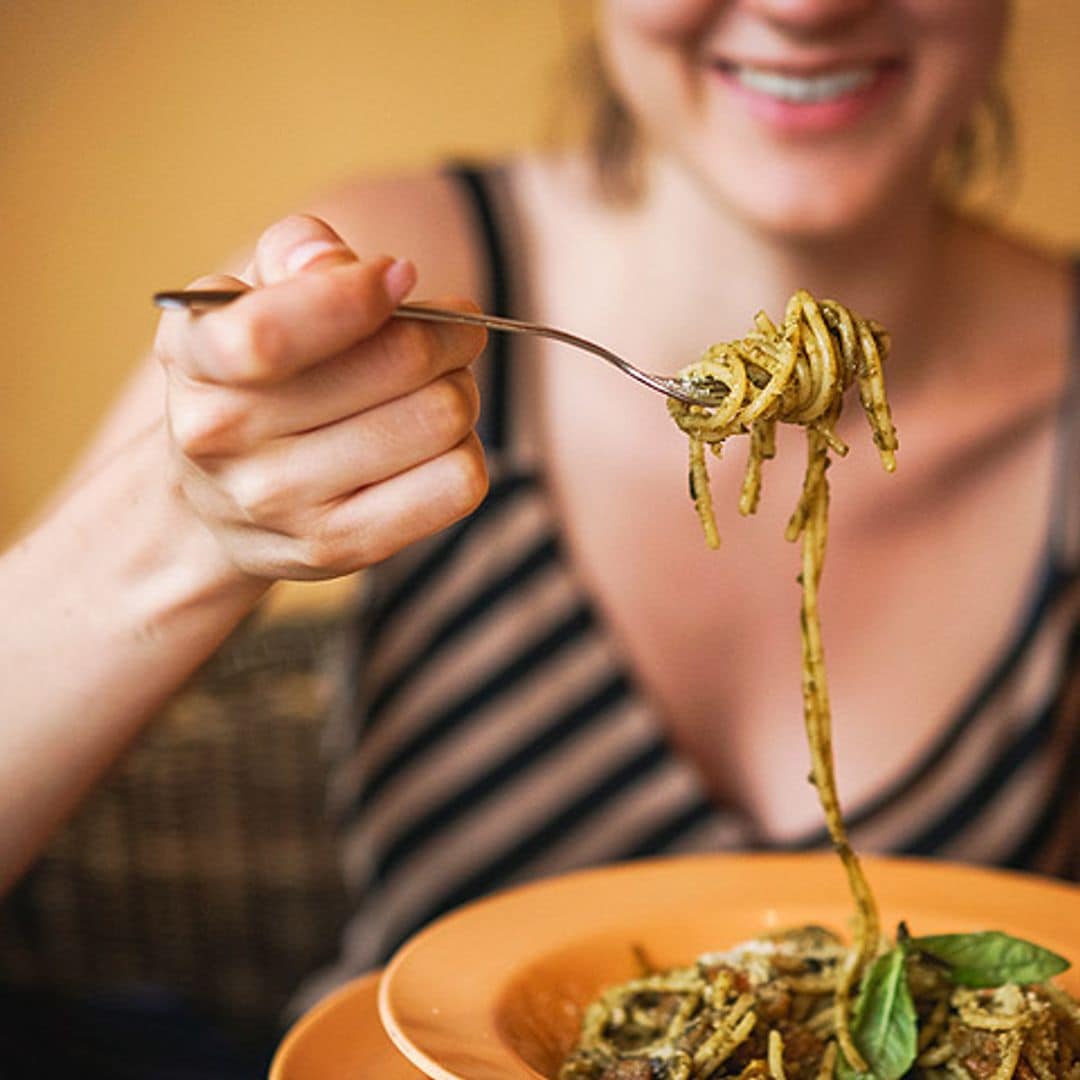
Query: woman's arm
x=304, y=434
x=109, y=604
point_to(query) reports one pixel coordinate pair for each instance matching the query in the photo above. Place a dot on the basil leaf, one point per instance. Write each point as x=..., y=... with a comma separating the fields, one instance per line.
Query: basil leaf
x=991, y=958
x=883, y=1022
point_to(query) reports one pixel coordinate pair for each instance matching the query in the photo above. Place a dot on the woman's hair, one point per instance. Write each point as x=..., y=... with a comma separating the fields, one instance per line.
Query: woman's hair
x=610, y=135
x=978, y=167
x=980, y=164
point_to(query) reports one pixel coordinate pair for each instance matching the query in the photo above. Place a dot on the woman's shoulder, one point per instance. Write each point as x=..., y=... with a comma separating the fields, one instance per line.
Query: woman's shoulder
x=1021, y=298
x=1019, y=272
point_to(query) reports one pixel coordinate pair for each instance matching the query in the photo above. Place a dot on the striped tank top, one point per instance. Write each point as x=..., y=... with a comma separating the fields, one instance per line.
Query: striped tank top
x=493, y=734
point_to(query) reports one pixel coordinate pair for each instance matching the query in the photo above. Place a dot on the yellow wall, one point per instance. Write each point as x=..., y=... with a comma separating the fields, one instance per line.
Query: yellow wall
x=143, y=140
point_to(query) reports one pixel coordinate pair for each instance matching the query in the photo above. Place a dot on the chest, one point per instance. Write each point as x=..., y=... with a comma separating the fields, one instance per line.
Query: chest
x=924, y=583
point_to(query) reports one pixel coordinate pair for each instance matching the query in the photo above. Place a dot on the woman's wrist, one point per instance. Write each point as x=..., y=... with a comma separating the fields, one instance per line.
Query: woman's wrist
x=179, y=579
x=125, y=582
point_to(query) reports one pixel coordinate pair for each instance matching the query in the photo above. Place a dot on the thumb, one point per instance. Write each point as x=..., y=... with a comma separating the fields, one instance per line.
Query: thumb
x=294, y=245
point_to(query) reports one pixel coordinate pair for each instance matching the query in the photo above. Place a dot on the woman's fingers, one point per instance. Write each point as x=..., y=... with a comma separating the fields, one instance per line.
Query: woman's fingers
x=403, y=357
x=373, y=523
x=274, y=483
x=314, y=299
x=313, y=432
x=274, y=332
x=358, y=530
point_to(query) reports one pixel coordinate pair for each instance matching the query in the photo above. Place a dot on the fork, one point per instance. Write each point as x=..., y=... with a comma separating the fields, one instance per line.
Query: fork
x=673, y=386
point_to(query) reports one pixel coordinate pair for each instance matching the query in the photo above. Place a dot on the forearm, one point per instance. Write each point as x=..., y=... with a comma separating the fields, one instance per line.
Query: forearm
x=108, y=605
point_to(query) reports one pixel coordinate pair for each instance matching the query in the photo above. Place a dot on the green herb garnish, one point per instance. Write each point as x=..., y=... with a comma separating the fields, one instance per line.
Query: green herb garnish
x=883, y=1022
x=991, y=958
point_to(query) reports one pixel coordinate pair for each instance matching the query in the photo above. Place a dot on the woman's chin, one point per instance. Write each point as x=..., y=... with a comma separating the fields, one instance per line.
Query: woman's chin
x=812, y=213
x=799, y=197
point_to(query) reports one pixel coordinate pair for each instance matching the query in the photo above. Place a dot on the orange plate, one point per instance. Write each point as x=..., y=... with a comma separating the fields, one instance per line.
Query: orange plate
x=496, y=989
x=342, y=1038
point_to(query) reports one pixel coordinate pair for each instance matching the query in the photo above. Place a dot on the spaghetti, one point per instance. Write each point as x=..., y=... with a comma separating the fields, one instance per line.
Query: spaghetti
x=766, y=1010
x=780, y=1008
x=797, y=373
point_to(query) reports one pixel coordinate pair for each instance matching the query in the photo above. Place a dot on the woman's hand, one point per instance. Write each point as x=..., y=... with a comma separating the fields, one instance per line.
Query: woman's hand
x=312, y=433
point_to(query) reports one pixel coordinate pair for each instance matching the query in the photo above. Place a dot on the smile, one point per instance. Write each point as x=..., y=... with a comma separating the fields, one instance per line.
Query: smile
x=829, y=98
x=803, y=89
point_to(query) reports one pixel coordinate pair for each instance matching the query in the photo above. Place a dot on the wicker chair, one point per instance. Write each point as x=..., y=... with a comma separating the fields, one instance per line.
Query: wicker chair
x=204, y=863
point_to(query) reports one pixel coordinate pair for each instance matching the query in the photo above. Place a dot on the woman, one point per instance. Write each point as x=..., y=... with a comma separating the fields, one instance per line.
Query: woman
x=562, y=673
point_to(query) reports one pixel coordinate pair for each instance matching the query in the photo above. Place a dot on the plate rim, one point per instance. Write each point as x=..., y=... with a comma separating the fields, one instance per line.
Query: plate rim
x=314, y=1016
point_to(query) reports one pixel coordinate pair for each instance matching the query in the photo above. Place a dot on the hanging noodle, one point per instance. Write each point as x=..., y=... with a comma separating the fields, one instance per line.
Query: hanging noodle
x=778, y=1008
x=797, y=374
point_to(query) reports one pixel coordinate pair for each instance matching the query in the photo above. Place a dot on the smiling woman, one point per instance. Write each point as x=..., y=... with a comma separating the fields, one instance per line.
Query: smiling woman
x=543, y=668
x=866, y=110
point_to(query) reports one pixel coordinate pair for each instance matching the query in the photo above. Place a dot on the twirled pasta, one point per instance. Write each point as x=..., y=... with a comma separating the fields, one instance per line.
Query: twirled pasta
x=796, y=373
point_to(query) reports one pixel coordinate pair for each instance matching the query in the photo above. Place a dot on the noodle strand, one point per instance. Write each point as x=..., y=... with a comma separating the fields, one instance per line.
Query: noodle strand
x=780, y=1006
x=798, y=374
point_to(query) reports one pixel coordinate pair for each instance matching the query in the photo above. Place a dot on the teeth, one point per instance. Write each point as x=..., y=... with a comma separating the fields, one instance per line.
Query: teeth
x=803, y=89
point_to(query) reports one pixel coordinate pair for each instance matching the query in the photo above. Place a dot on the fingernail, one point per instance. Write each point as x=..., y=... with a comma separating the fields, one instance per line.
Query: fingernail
x=303, y=255
x=398, y=278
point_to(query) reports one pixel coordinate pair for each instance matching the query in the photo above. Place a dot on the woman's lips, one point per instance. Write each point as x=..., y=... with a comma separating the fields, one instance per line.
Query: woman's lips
x=821, y=100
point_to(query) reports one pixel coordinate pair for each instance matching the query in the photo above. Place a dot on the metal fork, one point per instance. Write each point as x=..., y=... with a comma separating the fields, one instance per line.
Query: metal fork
x=668, y=385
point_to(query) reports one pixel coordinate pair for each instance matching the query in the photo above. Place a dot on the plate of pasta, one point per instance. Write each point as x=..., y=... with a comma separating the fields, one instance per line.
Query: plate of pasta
x=758, y=967
x=538, y=981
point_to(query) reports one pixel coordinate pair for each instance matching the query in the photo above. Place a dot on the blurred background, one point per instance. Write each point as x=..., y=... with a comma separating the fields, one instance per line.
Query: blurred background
x=143, y=142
